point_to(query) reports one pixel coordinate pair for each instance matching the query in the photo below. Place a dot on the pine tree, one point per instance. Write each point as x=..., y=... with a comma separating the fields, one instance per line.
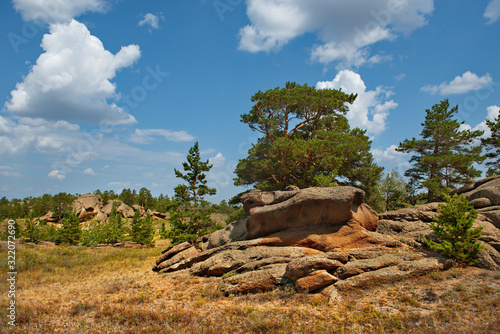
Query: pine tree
x=492, y=145
x=454, y=232
x=189, y=216
x=142, y=230
x=445, y=155
x=306, y=141
x=70, y=232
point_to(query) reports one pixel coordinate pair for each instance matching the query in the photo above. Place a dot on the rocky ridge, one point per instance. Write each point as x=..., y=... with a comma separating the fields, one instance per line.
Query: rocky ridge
x=326, y=240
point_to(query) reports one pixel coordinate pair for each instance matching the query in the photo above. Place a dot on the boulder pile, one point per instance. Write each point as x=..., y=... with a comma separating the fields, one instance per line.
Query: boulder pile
x=411, y=225
x=325, y=240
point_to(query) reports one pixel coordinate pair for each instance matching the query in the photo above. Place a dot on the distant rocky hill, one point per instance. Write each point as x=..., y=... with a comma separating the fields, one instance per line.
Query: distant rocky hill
x=329, y=240
x=90, y=206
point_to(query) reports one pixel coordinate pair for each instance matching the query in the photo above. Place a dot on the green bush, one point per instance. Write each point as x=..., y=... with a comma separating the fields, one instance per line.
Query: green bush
x=454, y=232
x=142, y=230
x=70, y=232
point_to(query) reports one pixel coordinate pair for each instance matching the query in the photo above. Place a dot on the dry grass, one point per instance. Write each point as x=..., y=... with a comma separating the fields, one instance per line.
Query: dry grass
x=109, y=290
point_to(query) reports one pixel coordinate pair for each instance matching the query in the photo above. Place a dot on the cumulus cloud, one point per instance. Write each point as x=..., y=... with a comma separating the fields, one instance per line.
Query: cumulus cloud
x=89, y=171
x=118, y=184
x=345, y=28
x=389, y=156
x=151, y=20
x=71, y=79
x=492, y=12
x=146, y=136
x=460, y=84
x=57, y=175
x=370, y=109
x=38, y=134
x=492, y=112
x=57, y=10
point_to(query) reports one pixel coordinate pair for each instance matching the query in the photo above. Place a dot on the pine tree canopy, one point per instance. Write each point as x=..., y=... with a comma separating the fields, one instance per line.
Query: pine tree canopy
x=492, y=145
x=445, y=154
x=306, y=141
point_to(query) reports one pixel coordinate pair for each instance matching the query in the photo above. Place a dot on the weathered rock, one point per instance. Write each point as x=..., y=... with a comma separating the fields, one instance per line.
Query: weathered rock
x=493, y=214
x=139, y=208
x=304, y=266
x=157, y=214
x=265, y=279
x=314, y=281
x=231, y=260
x=106, y=209
x=327, y=238
x=125, y=210
x=236, y=231
x=48, y=217
x=173, y=251
x=404, y=269
x=304, y=208
x=488, y=188
x=87, y=205
x=357, y=267
x=178, y=261
x=101, y=216
x=333, y=294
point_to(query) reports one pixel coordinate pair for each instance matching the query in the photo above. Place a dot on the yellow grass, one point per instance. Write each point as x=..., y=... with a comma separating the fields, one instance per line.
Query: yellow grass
x=109, y=290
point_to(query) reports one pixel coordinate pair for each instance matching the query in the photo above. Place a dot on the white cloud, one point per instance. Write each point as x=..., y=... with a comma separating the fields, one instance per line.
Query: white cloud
x=71, y=79
x=151, y=20
x=345, y=28
x=372, y=104
x=118, y=184
x=57, y=11
x=89, y=171
x=460, y=84
x=389, y=156
x=492, y=12
x=145, y=136
x=38, y=134
x=493, y=112
x=57, y=175
x=8, y=171
x=400, y=77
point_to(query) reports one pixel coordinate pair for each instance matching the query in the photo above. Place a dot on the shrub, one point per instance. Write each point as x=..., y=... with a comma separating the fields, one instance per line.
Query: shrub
x=454, y=232
x=70, y=232
x=142, y=230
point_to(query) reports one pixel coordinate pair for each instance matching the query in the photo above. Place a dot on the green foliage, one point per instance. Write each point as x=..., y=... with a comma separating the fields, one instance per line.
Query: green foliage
x=31, y=230
x=163, y=231
x=190, y=215
x=238, y=214
x=445, y=155
x=306, y=140
x=15, y=230
x=142, y=230
x=392, y=188
x=70, y=232
x=454, y=232
x=492, y=145
x=111, y=231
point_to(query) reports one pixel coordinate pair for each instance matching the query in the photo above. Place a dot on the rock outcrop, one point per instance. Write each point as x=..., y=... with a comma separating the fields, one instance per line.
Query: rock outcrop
x=317, y=239
x=87, y=206
x=411, y=225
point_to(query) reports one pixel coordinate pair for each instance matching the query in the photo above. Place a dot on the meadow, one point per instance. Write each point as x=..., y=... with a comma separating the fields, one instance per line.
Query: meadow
x=63, y=289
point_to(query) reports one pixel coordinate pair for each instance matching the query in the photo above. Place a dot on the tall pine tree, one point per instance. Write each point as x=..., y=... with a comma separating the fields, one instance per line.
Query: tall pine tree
x=492, y=145
x=189, y=216
x=444, y=156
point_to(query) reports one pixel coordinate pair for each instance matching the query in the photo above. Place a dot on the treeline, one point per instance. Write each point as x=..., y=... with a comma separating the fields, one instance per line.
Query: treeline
x=61, y=204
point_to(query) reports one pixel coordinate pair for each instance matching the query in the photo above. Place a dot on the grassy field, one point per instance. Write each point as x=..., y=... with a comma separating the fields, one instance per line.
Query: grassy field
x=110, y=290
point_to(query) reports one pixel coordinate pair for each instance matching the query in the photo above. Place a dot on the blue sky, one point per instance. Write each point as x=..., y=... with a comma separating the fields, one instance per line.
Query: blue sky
x=109, y=94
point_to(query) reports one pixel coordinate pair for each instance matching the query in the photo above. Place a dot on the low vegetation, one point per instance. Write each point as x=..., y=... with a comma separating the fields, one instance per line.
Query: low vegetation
x=74, y=289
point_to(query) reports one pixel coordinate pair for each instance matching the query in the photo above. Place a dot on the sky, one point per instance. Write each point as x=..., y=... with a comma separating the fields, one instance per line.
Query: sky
x=111, y=94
